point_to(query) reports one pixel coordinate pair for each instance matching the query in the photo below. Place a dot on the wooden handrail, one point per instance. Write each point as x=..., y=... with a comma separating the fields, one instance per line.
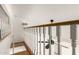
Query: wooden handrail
x=57, y=24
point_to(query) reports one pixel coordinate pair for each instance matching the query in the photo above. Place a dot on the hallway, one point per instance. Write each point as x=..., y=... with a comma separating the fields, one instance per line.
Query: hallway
x=39, y=29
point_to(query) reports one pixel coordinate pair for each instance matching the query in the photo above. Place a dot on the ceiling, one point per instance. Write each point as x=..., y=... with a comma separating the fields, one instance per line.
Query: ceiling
x=39, y=14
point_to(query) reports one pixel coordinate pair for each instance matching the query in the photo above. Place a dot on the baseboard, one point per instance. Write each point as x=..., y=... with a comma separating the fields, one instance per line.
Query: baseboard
x=17, y=44
x=28, y=49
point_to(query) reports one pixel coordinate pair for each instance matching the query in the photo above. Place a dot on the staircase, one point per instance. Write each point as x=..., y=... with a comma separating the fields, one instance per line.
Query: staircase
x=19, y=49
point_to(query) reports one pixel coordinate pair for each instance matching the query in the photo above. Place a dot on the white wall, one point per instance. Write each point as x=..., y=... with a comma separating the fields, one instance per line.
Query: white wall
x=17, y=30
x=16, y=33
x=29, y=39
x=5, y=43
x=15, y=25
x=41, y=14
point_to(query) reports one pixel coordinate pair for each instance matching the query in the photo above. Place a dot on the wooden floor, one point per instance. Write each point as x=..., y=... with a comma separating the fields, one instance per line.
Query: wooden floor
x=22, y=52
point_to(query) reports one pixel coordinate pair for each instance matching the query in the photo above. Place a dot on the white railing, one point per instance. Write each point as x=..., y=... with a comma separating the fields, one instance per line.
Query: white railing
x=43, y=38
